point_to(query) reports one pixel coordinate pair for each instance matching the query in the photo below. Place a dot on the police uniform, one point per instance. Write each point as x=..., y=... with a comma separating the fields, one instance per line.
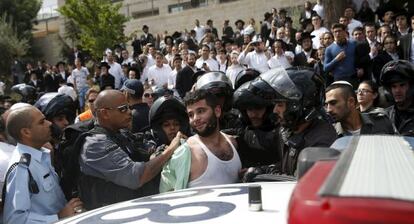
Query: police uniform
x=403, y=120
x=111, y=166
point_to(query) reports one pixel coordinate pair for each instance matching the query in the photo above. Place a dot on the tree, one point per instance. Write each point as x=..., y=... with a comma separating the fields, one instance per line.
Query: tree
x=333, y=10
x=21, y=15
x=11, y=46
x=99, y=21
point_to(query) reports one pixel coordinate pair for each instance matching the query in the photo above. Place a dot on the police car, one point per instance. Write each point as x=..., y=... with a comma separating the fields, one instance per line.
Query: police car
x=365, y=179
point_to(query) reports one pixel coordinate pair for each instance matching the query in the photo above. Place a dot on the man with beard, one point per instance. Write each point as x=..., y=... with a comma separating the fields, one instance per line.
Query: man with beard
x=397, y=78
x=340, y=56
x=308, y=55
x=207, y=158
x=184, y=79
x=341, y=103
x=256, y=59
x=296, y=93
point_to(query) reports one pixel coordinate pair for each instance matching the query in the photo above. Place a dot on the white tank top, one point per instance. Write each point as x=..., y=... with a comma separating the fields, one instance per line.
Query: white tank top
x=218, y=171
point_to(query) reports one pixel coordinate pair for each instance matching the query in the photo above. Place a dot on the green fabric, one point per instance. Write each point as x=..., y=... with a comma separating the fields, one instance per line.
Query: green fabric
x=176, y=172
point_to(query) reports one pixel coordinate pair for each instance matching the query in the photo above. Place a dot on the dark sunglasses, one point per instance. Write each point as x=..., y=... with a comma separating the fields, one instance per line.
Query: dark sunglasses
x=123, y=108
x=146, y=95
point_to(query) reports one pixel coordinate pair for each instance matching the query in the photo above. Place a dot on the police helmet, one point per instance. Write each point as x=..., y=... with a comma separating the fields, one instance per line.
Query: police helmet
x=54, y=104
x=27, y=92
x=396, y=71
x=219, y=84
x=165, y=108
x=300, y=88
x=244, y=98
x=244, y=76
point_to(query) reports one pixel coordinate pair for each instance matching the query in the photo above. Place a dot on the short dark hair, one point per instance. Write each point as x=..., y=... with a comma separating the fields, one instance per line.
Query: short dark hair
x=358, y=28
x=346, y=90
x=201, y=94
x=338, y=25
x=18, y=119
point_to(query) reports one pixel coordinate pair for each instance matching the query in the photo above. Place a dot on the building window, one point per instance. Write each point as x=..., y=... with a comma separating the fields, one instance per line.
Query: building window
x=187, y=5
x=146, y=13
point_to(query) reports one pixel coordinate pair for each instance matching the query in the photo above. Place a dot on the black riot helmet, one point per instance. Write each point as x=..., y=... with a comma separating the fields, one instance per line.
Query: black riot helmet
x=246, y=98
x=300, y=88
x=27, y=92
x=165, y=108
x=397, y=71
x=54, y=104
x=245, y=76
x=219, y=84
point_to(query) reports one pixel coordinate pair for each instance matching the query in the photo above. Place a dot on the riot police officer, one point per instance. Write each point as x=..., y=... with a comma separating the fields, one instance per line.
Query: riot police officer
x=27, y=92
x=167, y=116
x=259, y=138
x=397, y=78
x=296, y=93
x=58, y=109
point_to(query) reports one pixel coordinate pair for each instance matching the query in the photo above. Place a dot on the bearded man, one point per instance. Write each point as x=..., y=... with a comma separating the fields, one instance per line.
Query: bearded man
x=208, y=158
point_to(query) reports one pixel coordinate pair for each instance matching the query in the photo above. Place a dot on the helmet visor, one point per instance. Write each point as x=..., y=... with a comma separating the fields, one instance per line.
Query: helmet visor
x=280, y=81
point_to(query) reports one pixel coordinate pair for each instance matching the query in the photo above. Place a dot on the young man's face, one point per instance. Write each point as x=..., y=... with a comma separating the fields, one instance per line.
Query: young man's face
x=336, y=105
x=39, y=131
x=399, y=91
x=256, y=116
x=170, y=128
x=203, y=118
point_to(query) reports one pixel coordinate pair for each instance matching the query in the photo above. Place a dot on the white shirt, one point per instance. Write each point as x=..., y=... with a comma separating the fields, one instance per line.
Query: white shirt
x=320, y=10
x=228, y=169
x=116, y=71
x=352, y=25
x=80, y=77
x=223, y=66
x=159, y=75
x=412, y=49
x=199, y=33
x=280, y=61
x=254, y=60
x=211, y=63
x=233, y=71
x=316, y=43
x=171, y=79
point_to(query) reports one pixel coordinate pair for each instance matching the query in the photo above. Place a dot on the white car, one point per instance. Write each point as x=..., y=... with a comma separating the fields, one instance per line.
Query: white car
x=213, y=204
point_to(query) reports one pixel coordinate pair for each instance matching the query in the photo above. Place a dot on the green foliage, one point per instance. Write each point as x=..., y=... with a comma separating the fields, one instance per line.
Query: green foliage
x=20, y=14
x=11, y=46
x=99, y=23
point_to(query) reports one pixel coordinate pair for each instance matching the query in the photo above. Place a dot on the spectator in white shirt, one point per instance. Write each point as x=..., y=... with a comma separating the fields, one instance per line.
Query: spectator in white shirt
x=235, y=68
x=205, y=62
x=353, y=23
x=115, y=71
x=256, y=59
x=80, y=77
x=200, y=31
x=318, y=8
x=281, y=58
x=318, y=30
x=158, y=73
x=177, y=62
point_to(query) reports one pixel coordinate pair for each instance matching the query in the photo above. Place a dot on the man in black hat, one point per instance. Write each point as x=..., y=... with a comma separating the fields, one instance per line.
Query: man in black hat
x=147, y=37
x=266, y=26
x=62, y=70
x=239, y=32
x=308, y=56
x=227, y=30
x=401, y=22
x=106, y=80
x=133, y=90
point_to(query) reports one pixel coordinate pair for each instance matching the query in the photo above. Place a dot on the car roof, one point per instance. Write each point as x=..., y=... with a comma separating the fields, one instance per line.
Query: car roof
x=213, y=204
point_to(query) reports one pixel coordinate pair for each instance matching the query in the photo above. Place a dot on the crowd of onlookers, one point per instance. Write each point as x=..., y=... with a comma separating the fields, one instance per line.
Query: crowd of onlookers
x=171, y=86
